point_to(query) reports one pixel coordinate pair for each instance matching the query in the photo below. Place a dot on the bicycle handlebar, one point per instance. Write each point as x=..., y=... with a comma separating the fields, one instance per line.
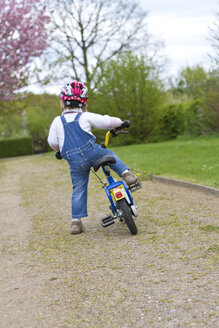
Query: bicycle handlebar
x=114, y=133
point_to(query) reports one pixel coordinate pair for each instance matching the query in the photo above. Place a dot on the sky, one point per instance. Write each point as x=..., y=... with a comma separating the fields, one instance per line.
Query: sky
x=184, y=27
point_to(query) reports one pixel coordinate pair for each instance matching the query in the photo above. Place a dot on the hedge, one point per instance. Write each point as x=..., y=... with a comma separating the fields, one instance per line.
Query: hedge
x=189, y=118
x=16, y=147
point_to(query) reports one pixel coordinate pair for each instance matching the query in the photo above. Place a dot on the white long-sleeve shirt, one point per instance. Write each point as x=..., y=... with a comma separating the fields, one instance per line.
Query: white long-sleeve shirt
x=87, y=121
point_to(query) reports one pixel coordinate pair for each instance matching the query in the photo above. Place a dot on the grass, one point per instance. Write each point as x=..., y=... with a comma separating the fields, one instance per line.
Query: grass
x=194, y=160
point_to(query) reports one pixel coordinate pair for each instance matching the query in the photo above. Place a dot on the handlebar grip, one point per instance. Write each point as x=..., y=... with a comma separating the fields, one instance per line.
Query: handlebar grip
x=125, y=124
x=58, y=155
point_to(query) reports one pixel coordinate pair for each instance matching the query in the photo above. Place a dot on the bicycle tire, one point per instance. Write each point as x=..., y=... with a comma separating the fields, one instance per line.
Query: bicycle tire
x=127, y=214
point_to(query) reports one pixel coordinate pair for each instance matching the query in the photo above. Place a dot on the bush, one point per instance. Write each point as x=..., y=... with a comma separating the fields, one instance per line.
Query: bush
x=171, y=123
x=16, y=147
x=196, y=118
x=190, y=118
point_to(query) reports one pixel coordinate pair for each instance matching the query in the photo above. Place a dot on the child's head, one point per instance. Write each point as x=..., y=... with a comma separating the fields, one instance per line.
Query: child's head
x=74, y=95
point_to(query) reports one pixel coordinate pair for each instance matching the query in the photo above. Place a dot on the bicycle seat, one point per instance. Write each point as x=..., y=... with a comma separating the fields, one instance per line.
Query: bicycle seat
x=105, y=160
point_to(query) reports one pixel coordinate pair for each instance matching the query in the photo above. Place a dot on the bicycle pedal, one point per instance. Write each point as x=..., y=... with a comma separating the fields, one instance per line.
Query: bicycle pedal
x=136, y=186
x=107, y=220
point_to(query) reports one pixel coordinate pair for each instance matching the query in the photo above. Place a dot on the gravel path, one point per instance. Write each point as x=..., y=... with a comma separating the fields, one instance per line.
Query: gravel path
x=166, y=276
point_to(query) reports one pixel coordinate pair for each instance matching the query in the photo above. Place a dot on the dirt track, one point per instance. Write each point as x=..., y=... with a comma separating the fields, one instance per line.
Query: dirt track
x=166, y=276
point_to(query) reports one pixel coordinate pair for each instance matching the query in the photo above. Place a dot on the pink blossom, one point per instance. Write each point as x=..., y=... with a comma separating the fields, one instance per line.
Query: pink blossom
x=23, y=36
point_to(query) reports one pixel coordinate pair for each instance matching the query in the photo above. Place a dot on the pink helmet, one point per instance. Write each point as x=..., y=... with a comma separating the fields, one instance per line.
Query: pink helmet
x=75, y=91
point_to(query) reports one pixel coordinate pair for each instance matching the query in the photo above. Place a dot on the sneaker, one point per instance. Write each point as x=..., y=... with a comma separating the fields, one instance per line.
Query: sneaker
x=76, y=227
x=129, y=178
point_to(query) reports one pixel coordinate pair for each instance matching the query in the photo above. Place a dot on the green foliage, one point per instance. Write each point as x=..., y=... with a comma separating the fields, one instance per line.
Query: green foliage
x=212, y=99
x=171, y=124
x=16, y=147
x=130, y=88
x=189, y=118
x=191, y=81
x=32, y=116
x=40, y=111
x=14, y=126
x=202, y=89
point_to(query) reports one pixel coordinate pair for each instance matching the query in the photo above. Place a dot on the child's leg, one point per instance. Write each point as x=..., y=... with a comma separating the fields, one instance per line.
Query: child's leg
x=119, y=167
x=79, y=194
x=123, y=171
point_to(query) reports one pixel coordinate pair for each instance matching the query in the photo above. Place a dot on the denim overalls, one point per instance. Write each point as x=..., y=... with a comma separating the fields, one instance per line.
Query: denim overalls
x=80, y=150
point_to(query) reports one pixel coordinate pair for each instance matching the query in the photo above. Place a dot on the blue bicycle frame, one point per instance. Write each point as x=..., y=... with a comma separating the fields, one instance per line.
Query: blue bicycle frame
x=113, y=184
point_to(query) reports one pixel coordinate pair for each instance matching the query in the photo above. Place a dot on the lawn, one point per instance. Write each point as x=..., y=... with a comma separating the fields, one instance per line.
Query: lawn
x=194, y=160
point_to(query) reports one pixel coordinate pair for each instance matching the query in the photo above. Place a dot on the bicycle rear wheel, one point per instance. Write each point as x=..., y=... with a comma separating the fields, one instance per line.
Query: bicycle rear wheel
x=127, y=214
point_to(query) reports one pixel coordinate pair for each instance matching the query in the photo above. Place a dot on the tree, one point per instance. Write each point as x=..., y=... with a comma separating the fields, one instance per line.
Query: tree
x=214, y=37
x=23, y=36
x=131, y=89
x=194, y=83
x=212, y=98
x=89, y=33
x=191, y=81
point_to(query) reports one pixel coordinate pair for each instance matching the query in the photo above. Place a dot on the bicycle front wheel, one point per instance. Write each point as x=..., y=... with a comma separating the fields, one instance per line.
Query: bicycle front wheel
x=127, y=214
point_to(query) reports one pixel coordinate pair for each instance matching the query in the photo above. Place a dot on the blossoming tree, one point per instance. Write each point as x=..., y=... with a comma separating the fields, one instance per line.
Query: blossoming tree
x=23, y=36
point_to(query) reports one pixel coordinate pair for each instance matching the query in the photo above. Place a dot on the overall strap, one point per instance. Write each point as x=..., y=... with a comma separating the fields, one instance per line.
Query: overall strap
x=78, y=116
x=63, y=119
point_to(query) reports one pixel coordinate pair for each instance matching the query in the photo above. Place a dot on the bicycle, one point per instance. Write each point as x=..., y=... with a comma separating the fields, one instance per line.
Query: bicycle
x=121, y=201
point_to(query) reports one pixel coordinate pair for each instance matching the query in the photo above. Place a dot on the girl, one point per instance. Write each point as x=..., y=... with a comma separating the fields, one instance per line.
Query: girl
x=71, y=134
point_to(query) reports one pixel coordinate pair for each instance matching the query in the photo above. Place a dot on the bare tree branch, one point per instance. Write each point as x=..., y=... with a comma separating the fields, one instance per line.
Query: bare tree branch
x=88, y=33
x=214, y=38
